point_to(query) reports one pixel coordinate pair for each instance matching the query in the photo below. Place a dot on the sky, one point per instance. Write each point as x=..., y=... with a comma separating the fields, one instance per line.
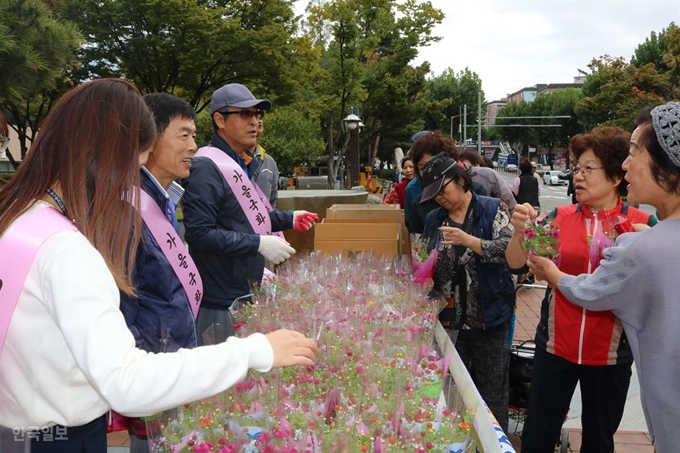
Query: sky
x=512, y=44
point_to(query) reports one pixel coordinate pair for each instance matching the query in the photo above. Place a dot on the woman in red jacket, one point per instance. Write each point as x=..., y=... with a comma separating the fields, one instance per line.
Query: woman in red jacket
x=573, y=344
x=396, y=195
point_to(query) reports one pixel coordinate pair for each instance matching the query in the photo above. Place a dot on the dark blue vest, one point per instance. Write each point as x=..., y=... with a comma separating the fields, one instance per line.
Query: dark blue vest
x=496, y=289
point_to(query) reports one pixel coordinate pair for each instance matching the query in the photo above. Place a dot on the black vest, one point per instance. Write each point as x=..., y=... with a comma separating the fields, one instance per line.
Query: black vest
x=528, y=190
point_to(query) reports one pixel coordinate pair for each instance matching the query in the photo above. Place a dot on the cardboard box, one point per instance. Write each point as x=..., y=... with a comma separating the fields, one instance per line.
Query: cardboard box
x=404, y=239
x=364, y=211
x=379, y=238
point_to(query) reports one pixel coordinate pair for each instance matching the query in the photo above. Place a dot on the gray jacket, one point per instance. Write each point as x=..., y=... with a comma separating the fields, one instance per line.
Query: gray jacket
x=637, y=282
x=267, y=176
x=495, y=186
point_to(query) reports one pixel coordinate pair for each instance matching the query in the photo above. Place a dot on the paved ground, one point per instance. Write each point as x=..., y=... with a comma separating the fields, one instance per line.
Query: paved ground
x=631, y=438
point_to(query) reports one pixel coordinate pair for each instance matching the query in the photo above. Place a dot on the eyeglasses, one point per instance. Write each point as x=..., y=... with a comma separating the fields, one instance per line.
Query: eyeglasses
x=246, y=115
x=441, y=191
x=585, y=171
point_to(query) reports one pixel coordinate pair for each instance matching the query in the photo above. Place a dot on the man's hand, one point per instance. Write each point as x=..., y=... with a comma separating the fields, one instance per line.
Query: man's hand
x=303, y=220
x=275, y=249
x=291, y=348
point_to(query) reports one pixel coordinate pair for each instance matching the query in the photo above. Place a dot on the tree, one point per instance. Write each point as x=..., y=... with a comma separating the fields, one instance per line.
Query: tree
x=450, y=92
x=37, y=51
x=366, y=47
x=654, y=48
x=192, y=47
x=292, y=137
x=557, y=103
x=615, y=91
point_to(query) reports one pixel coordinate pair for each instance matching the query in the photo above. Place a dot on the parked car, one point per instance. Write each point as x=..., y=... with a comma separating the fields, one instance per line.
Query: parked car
x=552, y=177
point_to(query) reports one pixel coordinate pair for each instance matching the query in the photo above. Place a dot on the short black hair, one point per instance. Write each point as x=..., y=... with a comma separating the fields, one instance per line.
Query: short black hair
x=165, y=107
x=473, y=157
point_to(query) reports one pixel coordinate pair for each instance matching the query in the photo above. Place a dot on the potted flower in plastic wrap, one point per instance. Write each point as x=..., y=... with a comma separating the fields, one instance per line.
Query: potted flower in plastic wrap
x=377, y=385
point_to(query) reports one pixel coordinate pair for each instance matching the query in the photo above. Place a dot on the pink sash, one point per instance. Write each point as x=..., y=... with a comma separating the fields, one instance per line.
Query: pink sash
x=18, y=248
x=254, y=204
x=174, y=250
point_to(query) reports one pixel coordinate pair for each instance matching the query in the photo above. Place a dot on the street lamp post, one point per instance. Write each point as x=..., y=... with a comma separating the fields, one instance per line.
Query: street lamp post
x=353, y=174
x=460, y=126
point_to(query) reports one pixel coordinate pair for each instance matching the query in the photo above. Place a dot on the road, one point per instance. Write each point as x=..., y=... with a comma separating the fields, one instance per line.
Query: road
x=554, y=196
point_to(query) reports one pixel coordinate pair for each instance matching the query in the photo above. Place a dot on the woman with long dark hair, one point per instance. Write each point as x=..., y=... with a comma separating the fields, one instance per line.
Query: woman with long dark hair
x=68, y=233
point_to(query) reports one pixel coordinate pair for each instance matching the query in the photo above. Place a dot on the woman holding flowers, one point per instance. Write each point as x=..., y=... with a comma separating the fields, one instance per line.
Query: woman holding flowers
x=66, y=219
x=470, y=233
x=638, y=278
x=574, y=344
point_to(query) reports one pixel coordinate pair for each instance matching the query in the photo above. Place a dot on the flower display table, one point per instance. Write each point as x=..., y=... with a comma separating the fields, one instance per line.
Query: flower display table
x=485, y=431
x=387, y=379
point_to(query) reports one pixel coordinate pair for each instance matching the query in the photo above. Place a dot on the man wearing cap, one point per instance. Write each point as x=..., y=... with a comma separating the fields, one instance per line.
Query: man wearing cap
x=229, y=226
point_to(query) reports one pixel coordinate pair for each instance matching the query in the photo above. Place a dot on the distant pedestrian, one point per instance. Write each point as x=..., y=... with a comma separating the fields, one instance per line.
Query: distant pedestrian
x=267, y=173
x=395, y=175
x=526, y=187
x=569, y=176
x=283, y=182
x=534, y=171
x=398, y=192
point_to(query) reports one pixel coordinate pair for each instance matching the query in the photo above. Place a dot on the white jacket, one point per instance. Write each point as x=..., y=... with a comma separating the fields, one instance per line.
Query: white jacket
x=69, y=356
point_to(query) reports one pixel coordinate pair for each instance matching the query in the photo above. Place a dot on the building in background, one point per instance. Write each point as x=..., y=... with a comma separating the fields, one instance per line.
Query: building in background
x=527, y=94
x=552, y=87
x=492, y=110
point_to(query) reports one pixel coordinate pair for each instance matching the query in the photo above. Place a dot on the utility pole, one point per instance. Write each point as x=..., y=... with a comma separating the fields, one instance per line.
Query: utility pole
x=479, y=122
x=464, y=124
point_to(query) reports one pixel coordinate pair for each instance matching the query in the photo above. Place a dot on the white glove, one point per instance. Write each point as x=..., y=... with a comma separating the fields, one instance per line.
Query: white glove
x=275, y=249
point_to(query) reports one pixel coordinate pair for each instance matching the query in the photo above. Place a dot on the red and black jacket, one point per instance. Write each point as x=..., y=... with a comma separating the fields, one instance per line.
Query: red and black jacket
x=574, y=333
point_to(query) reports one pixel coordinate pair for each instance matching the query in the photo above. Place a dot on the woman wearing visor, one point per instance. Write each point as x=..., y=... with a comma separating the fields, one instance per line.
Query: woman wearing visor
x=471, y=233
